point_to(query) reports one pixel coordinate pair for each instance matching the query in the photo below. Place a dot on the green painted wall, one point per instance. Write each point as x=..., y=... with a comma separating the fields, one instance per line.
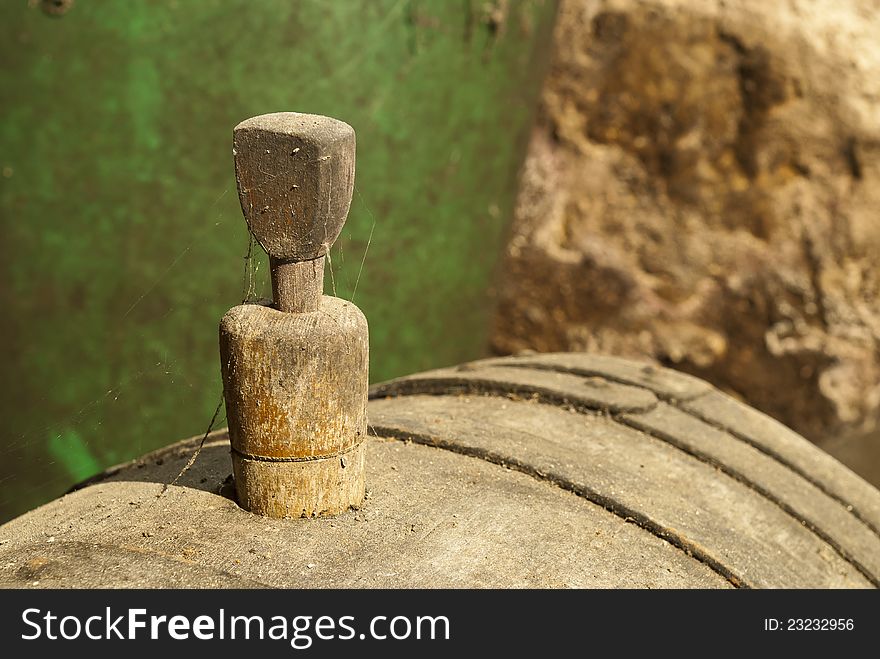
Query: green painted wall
x=121, y=240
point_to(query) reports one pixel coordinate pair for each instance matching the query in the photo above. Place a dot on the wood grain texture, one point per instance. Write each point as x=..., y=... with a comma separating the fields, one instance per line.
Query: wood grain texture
x=716, y=519
x=295, y=175
x=513, y=476
x=295, y=389
x=301, y=488
x=798, y=496
x=434, y=519
x=297, y=286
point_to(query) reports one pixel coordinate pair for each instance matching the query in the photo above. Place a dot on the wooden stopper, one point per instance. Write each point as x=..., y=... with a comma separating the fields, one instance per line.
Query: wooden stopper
x=295, y=374
x=297, y=286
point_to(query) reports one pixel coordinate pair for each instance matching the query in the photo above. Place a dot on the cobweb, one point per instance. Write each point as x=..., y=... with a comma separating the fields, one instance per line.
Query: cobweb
x=249, y=296
x=47, y=458
x=71, y=435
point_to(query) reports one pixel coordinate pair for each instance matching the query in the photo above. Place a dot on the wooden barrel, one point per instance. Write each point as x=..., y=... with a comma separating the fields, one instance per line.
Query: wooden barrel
x=562, y=470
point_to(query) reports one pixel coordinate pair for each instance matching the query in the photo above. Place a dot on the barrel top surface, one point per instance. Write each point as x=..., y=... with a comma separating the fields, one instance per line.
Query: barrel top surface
x=536, y=471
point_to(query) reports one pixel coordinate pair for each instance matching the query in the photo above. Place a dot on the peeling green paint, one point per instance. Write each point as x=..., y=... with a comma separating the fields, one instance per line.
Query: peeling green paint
x=121, y=240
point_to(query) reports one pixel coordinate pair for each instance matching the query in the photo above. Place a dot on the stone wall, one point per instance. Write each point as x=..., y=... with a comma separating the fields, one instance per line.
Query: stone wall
x=703, y=188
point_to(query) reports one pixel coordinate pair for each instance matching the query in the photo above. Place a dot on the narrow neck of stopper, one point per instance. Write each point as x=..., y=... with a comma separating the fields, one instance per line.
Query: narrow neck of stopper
x=297, y=286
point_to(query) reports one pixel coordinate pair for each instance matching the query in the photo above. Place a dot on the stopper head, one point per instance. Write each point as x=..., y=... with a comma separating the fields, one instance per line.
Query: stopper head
x=295, y=176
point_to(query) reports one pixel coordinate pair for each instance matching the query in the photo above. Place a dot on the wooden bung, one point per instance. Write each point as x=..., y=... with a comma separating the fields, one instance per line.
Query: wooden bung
x=295, y=374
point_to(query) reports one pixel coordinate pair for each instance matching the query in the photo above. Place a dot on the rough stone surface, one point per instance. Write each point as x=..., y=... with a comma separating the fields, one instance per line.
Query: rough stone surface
x=702, y=189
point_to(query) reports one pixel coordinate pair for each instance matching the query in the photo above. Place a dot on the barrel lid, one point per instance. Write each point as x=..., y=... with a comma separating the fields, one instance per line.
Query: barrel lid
x=567, y=472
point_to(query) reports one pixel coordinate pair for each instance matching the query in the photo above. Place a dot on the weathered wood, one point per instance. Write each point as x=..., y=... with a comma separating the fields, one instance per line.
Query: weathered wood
x=805, y=502
x=297, y=286
x=295, y=388
x=511, y=477
x=433, y=519
x=785, y=445
x=295, y=376
x=641, y=478
x=664, y=382
x=295, y=175
x=496, y=376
